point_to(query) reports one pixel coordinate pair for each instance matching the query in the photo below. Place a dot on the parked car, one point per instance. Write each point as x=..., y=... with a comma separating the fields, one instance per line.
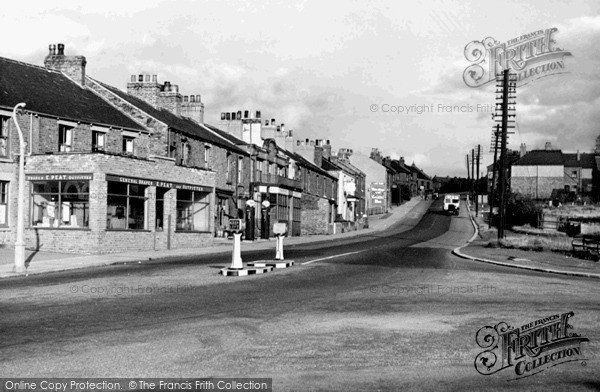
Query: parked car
x=452, y=204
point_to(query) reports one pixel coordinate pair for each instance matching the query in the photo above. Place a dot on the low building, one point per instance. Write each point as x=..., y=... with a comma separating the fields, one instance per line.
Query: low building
x=98, y=179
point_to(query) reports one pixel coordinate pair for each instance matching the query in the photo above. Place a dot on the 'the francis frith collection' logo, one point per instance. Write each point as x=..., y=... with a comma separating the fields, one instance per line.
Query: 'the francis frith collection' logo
x=530, y=349
x=531, y=56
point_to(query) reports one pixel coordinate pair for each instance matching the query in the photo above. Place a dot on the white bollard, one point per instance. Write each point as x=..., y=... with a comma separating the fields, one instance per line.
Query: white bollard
x=279, y=252
x=236, y=257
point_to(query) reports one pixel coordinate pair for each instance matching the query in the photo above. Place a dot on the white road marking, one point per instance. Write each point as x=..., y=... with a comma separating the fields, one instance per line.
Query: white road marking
x=334, y=256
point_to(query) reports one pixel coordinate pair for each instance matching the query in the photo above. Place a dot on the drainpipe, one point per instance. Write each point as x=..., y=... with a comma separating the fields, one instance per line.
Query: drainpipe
x=20, y=243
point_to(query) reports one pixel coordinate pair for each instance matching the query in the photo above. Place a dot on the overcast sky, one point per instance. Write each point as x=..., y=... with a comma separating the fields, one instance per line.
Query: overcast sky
x=319, y=66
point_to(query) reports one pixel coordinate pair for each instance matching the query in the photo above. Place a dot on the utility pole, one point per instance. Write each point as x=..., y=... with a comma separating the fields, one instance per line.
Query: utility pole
x=477, y=181
x=508, y=87
x=20, y=241
x=468, y=172
x=494, y=168
x=472, y=173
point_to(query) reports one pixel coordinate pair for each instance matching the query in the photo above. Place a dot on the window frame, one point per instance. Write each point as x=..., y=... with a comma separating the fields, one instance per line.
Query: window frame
x=65, y=137
x=4, y=198
x=4, y=136
x=61, y=195
x=128, y=196
x=203, y=200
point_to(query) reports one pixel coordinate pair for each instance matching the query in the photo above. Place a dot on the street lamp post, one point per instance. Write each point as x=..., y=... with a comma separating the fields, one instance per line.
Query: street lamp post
x=20, y=243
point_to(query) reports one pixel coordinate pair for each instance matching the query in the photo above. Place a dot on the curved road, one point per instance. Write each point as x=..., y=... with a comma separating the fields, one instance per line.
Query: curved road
x=389, y=311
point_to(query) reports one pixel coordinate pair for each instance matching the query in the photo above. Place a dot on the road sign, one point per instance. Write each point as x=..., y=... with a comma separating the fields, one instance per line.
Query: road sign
x=236, y=225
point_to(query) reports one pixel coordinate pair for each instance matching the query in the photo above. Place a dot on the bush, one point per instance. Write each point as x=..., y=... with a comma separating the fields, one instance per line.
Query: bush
x=521, y=211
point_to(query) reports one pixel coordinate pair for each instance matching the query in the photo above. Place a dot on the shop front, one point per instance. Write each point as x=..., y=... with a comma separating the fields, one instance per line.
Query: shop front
x=106, y=212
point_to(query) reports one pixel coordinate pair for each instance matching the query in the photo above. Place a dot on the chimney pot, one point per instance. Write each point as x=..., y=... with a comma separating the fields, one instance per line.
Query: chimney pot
x=154, y=78
x=133, y=78
x=185, y=98
x=290, y=133
x=50, y=50
x=61, y=49
x=222, y=115
x=272, y=121
x=147, y=78
x=258, y=114
x=198, y=98
x=140, y=78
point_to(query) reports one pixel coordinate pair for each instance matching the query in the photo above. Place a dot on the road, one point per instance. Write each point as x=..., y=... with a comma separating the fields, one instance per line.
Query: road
x=392, y=311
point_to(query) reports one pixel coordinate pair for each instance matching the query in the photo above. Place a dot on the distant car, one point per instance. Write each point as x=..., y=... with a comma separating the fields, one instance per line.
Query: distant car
x=452, y=204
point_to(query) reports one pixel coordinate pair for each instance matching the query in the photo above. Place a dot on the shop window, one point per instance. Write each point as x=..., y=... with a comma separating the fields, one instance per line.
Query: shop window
x=60, y=204
x=4, y=136
x=65, y=138
x=126, y=206
x=128, y=145
x=3, y=204
x=98, y=141
x=193, y=210
x=160, y=207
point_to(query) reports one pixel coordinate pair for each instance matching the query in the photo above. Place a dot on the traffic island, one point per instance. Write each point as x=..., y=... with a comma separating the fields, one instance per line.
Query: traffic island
x=280, y=230
x=245, y=271
x=272, y=263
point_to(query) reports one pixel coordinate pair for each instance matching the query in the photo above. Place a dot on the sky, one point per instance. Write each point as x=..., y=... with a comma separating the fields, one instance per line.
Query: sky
x=336, y=69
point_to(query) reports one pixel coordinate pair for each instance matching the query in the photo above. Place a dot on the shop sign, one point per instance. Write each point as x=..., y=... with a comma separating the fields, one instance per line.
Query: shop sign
x=59, y=177
x=161, y=184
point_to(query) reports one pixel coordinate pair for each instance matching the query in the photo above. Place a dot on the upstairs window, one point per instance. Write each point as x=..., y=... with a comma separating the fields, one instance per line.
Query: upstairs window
x=240, y=170
x=98, y=141
x=4, y=136
x=185, y=153
x=207, y=157
x=128, y=144
x=65, y=138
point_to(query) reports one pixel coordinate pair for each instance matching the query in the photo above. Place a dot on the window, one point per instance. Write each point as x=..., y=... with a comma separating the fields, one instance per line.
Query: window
x=259, y=169
x=192, y=210
x=126, y=206
x=207, y=156
x=3, y=204
x=229, y=174
x=240, y=170
x=65, y=138
x=282, y=208
x=98, y=141
x=160, y=207
x=4, y=121
x=185, y=153
x=64, y=204
x=297, y=211
x=128, y=144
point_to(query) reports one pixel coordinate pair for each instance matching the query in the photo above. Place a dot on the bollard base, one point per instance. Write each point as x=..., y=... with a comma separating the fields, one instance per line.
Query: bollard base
x=245, y=271
x=272, y=263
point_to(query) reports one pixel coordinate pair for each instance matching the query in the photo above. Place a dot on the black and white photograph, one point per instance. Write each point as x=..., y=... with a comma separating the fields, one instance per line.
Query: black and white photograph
x=245, y=195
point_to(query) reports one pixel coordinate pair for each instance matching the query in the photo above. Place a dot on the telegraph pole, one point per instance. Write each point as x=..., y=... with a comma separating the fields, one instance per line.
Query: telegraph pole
x=494, y=168
x=468, y=172
x=508, y=87
x=477, y=181
x=472, y=173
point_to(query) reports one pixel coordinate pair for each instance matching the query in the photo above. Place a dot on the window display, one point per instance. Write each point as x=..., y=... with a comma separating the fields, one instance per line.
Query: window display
x=63, y=204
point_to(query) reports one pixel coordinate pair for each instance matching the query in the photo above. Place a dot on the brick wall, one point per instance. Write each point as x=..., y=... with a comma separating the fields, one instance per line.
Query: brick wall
x=536, y=187
x=314, y=215
x=95, y=238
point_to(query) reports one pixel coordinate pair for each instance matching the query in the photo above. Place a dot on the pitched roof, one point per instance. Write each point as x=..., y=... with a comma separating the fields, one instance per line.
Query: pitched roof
x=51, y=93
x=179, y=123
x=541, y=158
x=420, y=173
x=305, y=162
x=586, y=161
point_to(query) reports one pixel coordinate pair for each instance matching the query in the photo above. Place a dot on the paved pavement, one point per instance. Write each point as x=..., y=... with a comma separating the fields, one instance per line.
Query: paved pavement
x=43, y=262
x=545, y=261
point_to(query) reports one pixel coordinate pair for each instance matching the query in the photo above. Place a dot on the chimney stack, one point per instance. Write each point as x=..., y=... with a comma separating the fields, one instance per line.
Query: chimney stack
x=72, y=66
x=522, y=150
x=548, y=146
